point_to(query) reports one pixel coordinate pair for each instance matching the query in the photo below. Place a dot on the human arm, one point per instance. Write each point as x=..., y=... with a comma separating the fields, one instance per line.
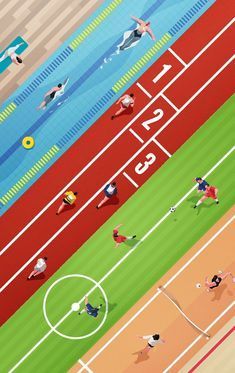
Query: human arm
x=120, y=99
x=138, y=20
x=151, y=34
x=118, y=226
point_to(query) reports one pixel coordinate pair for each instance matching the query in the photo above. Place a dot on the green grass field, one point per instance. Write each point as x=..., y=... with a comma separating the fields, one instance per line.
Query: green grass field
x=143, y=267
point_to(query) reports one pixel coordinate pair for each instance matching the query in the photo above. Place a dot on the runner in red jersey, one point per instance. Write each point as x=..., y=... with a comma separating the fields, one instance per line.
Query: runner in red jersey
x=210, y=192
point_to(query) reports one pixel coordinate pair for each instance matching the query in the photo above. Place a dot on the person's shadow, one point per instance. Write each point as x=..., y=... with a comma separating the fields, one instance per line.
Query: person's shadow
x=218, y=292
x=131, y=243
x=68, y=208
x=203, y=205
x=114, y=200
x=140, y=356
x=111, y=306
x=38, y=277
x=128, y=111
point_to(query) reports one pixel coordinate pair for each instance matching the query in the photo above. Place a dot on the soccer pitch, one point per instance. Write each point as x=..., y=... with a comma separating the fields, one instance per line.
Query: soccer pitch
x=141, y=269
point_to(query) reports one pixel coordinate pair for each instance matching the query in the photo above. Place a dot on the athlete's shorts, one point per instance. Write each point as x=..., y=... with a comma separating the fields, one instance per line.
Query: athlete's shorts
x=210, y=195
x=150, y=345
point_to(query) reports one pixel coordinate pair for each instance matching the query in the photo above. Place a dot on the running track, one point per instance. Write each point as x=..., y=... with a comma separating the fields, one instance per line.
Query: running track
x=196, y=85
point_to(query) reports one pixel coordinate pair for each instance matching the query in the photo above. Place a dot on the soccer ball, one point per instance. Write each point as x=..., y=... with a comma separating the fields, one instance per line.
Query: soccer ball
x=172, y=209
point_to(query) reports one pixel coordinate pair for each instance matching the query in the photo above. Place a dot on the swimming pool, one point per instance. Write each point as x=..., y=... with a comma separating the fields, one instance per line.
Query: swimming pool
x=89, y=89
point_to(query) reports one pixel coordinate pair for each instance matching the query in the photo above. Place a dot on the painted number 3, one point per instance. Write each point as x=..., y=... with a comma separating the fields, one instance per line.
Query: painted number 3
x=141, y=168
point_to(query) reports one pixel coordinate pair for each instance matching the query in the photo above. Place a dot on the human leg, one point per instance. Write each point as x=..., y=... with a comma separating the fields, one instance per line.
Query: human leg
x=61, y=208
x=105, y=199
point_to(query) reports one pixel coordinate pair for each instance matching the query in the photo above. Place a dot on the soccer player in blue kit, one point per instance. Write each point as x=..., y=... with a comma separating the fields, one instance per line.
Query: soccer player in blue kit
x=90, y=310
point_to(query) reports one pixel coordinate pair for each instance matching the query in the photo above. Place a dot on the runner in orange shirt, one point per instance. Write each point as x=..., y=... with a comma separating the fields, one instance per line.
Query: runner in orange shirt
x=210, y=192
x=68, y=200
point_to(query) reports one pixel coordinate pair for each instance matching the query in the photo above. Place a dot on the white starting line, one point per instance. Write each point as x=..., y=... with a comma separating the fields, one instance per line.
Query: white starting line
x=98, y=155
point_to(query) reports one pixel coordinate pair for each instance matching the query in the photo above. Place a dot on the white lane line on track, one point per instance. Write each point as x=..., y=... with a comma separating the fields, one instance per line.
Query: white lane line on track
x=130, y=179
x=177, y=56
x=136, y=135
x=117, y=136
x=159, y=292
x=162, y=148
x=116, y=174
x=126, y=256
x=199, y=337
x=170, y=102
x=143, y=90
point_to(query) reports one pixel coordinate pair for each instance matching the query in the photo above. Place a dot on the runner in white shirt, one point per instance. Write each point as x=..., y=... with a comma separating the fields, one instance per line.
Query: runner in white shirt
x=11, y=52
x=40, y=267
x=153, y=340
x=126, y=102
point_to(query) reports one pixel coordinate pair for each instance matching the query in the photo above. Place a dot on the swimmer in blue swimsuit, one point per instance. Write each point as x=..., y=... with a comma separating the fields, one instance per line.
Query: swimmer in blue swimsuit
x=136, y=34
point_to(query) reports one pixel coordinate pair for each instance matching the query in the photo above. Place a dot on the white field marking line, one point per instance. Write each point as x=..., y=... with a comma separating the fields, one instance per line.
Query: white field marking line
x=177, y=56
x=158, y=292
x=116, y=174
x=162, y=148
x=136, y=135
x=85, y=366
x=198, y=338
x=184, y=315
x=143, y=90
x=131, y=180
x=117, y=136
x=39, y=342
x=113, y=269
x=170, y=102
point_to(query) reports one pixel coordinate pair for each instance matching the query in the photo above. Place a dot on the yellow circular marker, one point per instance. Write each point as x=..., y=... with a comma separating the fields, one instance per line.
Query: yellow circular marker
x=28, y=142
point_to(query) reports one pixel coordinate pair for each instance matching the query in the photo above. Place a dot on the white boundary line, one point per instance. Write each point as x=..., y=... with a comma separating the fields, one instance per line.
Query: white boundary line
x=177, y=56
x=162, y=148
x=117, y=173
x=85, y=366
x=117, y=136
x=169, y=102
x=199, y=337
x=143, y=90
x=131, y=180
x=126, y=256
x=159, y=292
x=136, y=135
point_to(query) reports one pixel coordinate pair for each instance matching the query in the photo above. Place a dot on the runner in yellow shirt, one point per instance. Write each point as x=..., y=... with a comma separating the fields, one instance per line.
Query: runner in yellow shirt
x=69, y=199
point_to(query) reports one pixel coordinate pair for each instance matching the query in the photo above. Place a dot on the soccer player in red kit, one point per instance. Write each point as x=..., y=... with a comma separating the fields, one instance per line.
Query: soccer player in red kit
x=118, y=238
x=210, y=192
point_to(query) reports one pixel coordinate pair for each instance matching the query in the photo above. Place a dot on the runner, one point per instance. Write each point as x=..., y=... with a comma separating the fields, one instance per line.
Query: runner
x=153, y=340
x=133, y=37
x=120, y=239
x=39, y=268
x=110, y=190
x=210, y=192
x=201, y=184
x=68, y=200
x=50, y=96
x=90, y=310
x=125, y=102
x=11, y=53
x=217, y=279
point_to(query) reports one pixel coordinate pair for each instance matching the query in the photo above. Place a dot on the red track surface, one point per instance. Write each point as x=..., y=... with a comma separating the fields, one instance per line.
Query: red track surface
x=115, y=157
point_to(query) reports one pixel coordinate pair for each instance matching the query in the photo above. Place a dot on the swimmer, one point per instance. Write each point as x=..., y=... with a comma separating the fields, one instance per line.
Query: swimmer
x=50, y=96
x=217, y=279
x=136, y=34
x=11, y=52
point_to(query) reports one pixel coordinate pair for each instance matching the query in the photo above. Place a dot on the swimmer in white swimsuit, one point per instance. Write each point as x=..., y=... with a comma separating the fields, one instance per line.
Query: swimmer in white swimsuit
x=11, y=52
x=136, y=34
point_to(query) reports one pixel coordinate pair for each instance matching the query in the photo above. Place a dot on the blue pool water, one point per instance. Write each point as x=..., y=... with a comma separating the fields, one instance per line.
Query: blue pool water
x=88, y=83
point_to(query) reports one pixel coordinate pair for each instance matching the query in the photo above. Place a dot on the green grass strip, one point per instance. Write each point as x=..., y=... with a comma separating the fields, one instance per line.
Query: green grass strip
x=142, y=269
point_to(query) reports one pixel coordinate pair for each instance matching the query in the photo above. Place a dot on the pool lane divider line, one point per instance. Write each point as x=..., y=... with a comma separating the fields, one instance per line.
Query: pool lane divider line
x=94, y=24
x=68, y=50
x=29, y=175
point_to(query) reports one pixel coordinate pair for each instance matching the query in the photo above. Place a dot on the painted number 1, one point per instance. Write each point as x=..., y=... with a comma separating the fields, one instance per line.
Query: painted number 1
x=163, y=72
x=141, y=168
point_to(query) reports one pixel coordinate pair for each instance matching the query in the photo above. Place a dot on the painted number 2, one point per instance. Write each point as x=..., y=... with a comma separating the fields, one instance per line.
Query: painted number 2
x=158, y=115
x=141, y=168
